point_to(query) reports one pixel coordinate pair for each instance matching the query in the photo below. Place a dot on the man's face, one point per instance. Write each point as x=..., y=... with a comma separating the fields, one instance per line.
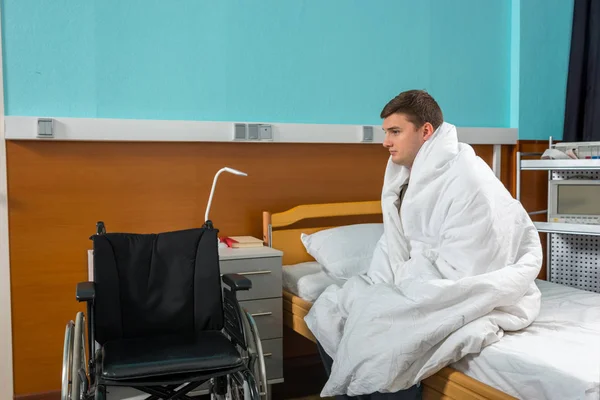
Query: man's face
x=403, y=139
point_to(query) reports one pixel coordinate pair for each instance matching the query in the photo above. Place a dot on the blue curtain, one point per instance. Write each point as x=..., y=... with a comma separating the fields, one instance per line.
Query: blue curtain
x=582, y=108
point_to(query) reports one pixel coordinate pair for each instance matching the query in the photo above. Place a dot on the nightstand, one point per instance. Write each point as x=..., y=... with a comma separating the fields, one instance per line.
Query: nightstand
x=262, y=265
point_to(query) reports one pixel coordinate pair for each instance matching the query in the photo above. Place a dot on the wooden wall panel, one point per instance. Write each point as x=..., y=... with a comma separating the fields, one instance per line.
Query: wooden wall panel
x=485, y=152
x=534, y=184
x=534, y=190
x=508, y=168
x=57, y=192
x=507, y=163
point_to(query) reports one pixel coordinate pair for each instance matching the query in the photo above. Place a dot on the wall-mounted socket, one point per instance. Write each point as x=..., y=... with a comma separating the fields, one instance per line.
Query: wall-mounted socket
x=253, y=132
x=265, y=132
x=367, y=134
x=45, y=128
x=239, y=131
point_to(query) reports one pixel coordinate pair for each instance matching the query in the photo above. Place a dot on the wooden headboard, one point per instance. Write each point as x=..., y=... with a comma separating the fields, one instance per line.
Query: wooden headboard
x=279, y=229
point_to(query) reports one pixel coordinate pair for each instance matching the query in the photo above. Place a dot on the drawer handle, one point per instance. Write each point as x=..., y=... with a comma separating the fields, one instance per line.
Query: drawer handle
x=265, y=355
x=254, y=273
x=262, y=314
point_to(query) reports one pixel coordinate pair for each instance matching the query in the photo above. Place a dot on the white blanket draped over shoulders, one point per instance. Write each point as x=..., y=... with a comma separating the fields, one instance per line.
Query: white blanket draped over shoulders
x=450, y=274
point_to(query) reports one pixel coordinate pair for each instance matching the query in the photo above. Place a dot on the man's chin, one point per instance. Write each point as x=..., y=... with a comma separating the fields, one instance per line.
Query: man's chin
x=397, y=161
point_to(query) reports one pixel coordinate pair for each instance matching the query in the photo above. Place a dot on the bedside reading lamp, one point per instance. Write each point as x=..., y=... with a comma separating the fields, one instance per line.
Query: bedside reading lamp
x=208, y=223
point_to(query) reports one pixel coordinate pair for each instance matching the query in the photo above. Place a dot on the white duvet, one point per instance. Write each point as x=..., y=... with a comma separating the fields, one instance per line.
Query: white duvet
x=448, y=277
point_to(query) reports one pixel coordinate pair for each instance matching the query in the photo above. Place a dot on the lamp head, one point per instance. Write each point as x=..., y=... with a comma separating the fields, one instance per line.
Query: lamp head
x=234, y=171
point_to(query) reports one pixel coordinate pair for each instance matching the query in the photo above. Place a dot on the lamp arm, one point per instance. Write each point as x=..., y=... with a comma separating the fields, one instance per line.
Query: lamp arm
x=212, y=191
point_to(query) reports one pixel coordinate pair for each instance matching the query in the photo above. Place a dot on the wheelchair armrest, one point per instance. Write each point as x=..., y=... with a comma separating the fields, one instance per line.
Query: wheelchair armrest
x=237, y=282
x=86, y=291
x=233, y=313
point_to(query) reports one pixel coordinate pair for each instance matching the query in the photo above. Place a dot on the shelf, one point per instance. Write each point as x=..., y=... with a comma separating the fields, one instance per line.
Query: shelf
x=545, y=165
x=573, y=229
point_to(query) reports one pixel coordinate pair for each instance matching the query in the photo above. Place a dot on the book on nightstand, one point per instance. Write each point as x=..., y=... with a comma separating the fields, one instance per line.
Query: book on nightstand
x=240, y=242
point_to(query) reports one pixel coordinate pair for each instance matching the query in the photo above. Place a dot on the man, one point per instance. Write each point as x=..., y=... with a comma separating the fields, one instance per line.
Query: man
x=409, y=120
x=454, y=269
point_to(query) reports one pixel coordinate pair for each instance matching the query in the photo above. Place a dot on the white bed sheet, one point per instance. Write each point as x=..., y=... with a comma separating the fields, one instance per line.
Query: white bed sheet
x=306, y=280
x=557, y=357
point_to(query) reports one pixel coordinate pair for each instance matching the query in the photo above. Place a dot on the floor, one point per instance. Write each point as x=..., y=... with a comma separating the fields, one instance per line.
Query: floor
x=304, y=377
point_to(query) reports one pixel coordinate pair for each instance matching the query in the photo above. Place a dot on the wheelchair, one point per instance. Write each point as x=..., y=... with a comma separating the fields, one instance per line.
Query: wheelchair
x=161, y=319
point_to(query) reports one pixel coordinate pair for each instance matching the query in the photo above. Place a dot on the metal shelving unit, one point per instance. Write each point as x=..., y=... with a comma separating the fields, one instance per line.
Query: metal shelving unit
x=573, y=250
x=560, y=165
x=569, y=229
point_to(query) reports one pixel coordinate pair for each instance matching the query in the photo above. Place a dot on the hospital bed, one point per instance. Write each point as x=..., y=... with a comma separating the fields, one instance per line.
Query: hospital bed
x=557, y=357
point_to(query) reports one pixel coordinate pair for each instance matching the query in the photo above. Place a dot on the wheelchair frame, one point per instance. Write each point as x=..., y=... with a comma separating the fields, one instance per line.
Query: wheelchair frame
x=239, y=326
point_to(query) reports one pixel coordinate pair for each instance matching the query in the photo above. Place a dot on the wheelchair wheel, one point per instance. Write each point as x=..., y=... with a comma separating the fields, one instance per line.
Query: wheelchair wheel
x=78, y=371
x=67, y=364
x=243, y=386
x=240, y=386
x=256, y=362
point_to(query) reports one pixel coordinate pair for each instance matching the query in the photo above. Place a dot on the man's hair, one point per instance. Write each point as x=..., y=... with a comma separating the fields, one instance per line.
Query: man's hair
x=418, y=106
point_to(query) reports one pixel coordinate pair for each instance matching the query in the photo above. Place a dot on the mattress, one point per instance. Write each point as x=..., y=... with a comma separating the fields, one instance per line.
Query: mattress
x=557, y=357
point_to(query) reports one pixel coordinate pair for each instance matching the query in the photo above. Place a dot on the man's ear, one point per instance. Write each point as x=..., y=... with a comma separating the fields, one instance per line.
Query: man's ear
x=427, y=131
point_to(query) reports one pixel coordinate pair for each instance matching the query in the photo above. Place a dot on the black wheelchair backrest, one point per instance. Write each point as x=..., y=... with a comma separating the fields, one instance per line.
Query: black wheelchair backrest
x=156, y=284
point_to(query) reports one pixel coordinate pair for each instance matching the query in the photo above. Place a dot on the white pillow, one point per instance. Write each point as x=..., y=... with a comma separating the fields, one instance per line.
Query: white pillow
x=344, y=251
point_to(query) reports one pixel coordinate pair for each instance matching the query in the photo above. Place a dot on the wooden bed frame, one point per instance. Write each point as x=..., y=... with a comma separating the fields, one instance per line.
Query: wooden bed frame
x=447, y=384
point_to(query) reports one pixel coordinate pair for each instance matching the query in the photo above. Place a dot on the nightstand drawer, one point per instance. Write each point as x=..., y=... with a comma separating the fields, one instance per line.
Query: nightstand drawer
x=265, y=274
x=273, y=353
x=268, y=316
